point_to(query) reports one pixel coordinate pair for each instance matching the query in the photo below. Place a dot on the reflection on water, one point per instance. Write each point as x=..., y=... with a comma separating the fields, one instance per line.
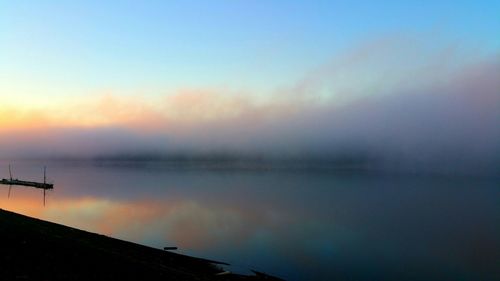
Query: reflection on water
x=299, y=224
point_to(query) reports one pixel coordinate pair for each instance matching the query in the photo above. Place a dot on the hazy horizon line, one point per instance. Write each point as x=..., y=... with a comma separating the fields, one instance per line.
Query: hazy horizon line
x=360, y=162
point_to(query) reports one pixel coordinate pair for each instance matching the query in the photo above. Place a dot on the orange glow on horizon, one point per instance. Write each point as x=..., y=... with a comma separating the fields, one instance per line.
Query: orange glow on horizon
x=184, y=108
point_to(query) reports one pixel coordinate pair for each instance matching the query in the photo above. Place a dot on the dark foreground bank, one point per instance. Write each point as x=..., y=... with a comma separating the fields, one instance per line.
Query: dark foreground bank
x=33, y=249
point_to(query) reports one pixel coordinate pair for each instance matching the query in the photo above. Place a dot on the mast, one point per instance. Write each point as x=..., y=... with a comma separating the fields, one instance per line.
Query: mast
x=10, y=185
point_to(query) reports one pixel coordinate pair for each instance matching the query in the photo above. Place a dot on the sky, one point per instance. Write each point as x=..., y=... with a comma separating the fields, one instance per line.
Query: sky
x=410, y=78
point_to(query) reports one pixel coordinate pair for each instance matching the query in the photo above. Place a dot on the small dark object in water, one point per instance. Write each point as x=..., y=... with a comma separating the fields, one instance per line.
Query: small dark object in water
x=264, y=276
x=169, y=248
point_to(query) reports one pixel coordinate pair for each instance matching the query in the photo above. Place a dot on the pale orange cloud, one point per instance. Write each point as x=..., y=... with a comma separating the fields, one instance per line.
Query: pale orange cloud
x=12, y=118
x=178, y=111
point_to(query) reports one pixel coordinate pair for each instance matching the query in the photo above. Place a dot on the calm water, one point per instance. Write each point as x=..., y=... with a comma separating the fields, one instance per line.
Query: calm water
x=298, y=224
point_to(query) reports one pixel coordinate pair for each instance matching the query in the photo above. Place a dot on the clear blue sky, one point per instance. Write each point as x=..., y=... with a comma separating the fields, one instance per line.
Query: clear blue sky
x=55, y=48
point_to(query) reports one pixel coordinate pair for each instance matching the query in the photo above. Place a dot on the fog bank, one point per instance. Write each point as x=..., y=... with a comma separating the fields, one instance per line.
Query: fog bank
x=360, y=108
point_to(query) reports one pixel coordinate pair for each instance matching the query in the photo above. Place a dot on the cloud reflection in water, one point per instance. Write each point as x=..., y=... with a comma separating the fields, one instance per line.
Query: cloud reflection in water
x=298, y=224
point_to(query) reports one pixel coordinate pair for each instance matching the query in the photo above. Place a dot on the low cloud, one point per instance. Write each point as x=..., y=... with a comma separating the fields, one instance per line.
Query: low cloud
x=388, y=101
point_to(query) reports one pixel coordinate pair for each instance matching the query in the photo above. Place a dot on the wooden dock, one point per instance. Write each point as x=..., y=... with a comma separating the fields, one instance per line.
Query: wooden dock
x=42, y=185
x=27, y=183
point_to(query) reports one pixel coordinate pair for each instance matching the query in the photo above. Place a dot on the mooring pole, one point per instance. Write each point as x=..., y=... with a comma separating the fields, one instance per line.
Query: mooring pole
x=10, y=173
x=44, y=197
x=44, y=174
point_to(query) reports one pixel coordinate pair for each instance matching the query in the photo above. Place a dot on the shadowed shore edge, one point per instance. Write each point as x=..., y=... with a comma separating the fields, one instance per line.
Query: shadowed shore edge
x=34, y=249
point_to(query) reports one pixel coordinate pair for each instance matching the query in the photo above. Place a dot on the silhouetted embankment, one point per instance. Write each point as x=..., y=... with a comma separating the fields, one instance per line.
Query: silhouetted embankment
x=33, y=249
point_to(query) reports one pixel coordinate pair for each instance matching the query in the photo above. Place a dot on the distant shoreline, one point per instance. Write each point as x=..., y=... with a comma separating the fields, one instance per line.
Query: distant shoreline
x=232, y=163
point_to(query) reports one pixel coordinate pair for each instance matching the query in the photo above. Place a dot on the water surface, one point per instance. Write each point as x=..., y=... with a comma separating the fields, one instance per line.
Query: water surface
x=295, y=223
